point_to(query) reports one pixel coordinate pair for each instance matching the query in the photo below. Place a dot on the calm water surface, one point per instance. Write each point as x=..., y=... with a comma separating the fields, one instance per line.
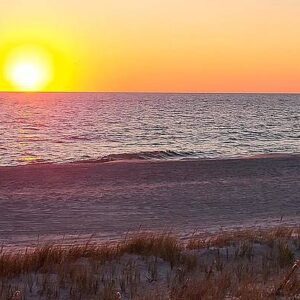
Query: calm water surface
x=87, y=126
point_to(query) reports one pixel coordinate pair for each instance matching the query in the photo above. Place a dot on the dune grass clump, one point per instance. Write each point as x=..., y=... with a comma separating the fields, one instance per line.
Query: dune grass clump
x=227, y=238
x=42, y=258
x=248, y=264
x=164, y=246
x=285, y=255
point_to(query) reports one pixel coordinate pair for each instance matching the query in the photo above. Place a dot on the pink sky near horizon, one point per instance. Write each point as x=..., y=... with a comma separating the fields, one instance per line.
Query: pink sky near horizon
x=164, y=46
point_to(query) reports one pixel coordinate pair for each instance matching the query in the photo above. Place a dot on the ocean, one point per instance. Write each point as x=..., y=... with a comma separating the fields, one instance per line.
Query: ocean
x=71, y=127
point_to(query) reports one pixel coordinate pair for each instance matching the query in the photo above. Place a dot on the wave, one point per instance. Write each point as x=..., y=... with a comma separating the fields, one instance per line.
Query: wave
x=158, y=156
x=175, y=155
x=143, y=155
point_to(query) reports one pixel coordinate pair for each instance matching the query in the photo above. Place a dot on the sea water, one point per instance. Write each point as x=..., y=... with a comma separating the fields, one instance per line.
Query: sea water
x=69, y=127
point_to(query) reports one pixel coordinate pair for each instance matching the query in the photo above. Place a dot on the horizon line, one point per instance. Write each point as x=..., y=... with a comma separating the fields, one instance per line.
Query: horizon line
x=144, y=92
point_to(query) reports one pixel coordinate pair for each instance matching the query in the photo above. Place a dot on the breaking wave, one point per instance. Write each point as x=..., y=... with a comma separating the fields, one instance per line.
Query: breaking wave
x=175, y=155
x=144, y=155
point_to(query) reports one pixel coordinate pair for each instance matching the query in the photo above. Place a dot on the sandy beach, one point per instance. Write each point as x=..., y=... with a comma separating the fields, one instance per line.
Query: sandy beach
x=106, y=200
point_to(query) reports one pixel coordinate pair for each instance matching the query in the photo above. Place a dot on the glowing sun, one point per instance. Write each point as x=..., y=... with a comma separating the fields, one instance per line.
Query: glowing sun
x=29, y=68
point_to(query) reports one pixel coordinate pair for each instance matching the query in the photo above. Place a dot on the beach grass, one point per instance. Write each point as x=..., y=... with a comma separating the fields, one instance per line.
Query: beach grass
x=240, y=264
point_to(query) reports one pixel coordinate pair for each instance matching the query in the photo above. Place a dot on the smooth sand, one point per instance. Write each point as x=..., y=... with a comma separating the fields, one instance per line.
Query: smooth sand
x=109, y=199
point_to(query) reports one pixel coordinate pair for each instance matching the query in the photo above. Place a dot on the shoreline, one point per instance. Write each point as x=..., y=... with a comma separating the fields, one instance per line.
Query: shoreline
x=110, y=199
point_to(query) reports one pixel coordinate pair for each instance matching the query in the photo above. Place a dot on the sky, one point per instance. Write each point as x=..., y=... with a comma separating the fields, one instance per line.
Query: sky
x=153, y=45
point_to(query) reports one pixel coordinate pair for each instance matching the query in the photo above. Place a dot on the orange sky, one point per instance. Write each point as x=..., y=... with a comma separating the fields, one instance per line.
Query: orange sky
x=159, y=45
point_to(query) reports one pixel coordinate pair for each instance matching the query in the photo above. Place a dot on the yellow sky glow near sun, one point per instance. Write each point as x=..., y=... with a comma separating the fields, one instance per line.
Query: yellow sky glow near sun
x=150, y=45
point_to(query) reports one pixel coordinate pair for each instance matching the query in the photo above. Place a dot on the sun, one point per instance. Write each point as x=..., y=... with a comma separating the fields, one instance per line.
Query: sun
x=29, y=68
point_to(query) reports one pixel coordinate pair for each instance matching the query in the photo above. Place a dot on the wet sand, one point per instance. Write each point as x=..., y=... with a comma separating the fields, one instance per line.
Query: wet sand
x=48, y=202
